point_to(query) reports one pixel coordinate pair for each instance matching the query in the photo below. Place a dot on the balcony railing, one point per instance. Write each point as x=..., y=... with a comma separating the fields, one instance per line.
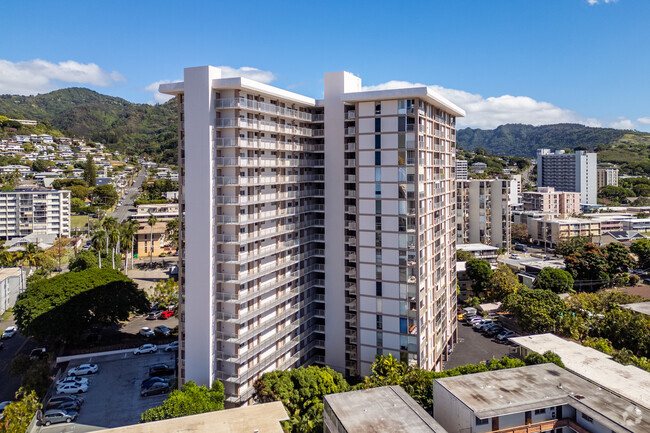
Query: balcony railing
x=249, y=104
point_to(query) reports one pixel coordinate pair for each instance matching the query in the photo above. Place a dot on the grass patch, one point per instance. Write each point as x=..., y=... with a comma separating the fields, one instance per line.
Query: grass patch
x=7, y=314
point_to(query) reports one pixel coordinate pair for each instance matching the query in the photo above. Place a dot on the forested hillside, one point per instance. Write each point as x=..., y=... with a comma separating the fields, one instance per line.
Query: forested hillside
x=130, y=128
x=524, y=140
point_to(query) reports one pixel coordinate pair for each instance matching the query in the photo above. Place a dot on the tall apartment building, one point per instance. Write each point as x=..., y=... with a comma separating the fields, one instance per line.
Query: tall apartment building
x=607, y=176
x=575, y=172
x=312, y=231
x=546, y=199
x=40, y=211
x=483, y=212
x=461, y=169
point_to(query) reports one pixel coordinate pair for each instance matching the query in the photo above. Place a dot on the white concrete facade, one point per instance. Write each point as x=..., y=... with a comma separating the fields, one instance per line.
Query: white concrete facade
x=287, y=258
x=483, y=212
x=37, y=211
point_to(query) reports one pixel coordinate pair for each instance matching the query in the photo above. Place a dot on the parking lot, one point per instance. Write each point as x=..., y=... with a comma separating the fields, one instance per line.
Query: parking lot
x=474, y=348
x=113, y=397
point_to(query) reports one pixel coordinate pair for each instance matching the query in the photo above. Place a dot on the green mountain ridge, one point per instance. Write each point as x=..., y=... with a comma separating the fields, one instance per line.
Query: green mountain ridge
x=151, y=130
x=524, y=140
x=134, y=129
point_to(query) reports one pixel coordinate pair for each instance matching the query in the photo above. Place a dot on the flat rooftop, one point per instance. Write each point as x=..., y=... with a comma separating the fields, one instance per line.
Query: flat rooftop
x=383, y=409
x=597, y=367
x=263, y=418
x=516, y=390
x=476, y=247
x=639, y=307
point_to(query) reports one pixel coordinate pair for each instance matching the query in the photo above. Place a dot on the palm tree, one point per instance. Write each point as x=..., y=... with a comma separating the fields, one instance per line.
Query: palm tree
x=99, y=241
x=113, y=241
x=152, y=220
x=126, y=240
x=130, y=229
x=108, y=224
x=30, y=255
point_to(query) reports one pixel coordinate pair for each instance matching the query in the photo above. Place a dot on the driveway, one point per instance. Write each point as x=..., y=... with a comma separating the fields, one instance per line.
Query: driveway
x=12, y=347
x=474, y=348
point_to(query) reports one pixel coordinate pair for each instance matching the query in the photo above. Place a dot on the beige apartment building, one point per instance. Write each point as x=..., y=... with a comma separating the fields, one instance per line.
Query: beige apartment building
x=312, y=231
x=547, y=199
x=607, y=176
x=550, y=232
x=483, y=212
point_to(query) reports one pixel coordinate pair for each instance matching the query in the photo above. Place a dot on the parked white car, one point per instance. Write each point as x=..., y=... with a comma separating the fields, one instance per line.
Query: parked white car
x=146, y=332
x=72, y=379
x=83, y=369
x=146, y=348
x=9, y=332
x=71, y=388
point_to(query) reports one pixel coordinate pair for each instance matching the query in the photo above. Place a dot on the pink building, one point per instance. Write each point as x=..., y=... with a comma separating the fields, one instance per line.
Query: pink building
x=546, y=199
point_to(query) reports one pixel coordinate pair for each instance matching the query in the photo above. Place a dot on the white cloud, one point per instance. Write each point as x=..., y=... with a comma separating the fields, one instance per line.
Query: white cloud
x=595, y=2
x=488, y=113
x=644, y=120
x=247, y=72
x=158, y=98
x=622, y=124
x=40, y=76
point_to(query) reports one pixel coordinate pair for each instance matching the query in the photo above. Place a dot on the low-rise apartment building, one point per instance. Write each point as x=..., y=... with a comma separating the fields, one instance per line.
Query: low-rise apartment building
x=639, y=224
x=483, y=212
x=547, y=199
x=532, y=399
x=150, y=238
x=40, y=211
x=12, y=283
x=550, y=232
x=163, y=212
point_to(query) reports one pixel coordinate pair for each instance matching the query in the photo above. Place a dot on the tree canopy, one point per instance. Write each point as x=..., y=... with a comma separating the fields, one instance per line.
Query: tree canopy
x=90, y=171
x=17, y=416
x=189, y=400
x=537, y=310
x=641, y=248
x=61, y=308
x=105, y=195
x=480, y=272
x=301, y=390
x=555, y=280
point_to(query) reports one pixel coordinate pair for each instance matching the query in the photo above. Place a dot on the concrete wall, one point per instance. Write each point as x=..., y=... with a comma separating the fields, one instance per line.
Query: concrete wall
x=10, y=287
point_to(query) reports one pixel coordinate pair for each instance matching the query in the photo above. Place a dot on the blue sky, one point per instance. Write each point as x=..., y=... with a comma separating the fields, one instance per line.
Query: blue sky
x=504, y=61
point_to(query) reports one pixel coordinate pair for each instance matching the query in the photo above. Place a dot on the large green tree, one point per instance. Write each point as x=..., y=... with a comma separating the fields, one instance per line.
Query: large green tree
x=189, y=400
x=301, y=390
x=90, y=171
x=63, y=307
x=504, y=283
x=105, y=195
x=572, y=245
x=85, y=260
x=555, y=280
x=480, y=272
x=641, y=248
x=589, y=266
x=536, y=310
x=618, y=258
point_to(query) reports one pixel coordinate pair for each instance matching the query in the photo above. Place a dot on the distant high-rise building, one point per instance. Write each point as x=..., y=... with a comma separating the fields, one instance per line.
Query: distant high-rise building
x=483, y=212
x=461, y=169
x=607, y=176
x=312, y=231
x=575, y=172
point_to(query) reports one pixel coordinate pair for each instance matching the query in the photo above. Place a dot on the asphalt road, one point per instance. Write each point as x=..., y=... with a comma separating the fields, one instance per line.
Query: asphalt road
x=474, y=348
x=12, y=347
x=122, y=212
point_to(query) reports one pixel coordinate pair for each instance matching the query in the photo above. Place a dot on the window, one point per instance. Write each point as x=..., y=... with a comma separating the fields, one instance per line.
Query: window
x=587, y=417
x=403, y=325
x=540, y=411
x=377, y=206
x=377, y=190
x=378, y=108
x=378, y=256
x=377, y=124
x=378, y=289
x=377, y=140
x=377, y=223
x=480, y=421
x=377, y=158
x=377, y=174
x=380, y=325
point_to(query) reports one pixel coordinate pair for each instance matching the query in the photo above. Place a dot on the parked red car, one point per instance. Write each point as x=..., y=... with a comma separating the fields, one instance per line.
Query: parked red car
x=166, y=315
